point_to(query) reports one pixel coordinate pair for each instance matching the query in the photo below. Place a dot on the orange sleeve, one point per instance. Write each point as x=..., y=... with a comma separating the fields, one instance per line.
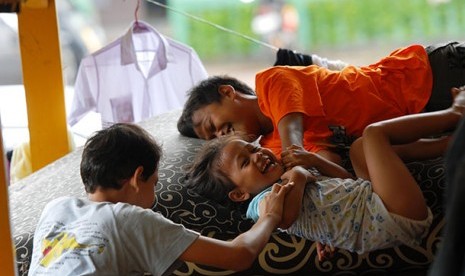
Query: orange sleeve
x=280, y=92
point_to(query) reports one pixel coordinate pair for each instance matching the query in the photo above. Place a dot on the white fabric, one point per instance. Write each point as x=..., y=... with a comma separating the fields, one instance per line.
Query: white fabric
x=81, y=237
x=335, y=65
x=139, y=75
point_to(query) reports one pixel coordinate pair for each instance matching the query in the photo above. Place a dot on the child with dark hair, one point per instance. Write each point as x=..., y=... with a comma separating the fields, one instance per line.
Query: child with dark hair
x=324, y=110
x=114, y=232
x=384, y=208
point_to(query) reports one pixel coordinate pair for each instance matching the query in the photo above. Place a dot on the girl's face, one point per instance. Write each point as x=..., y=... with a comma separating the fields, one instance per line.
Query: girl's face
x=251, y=168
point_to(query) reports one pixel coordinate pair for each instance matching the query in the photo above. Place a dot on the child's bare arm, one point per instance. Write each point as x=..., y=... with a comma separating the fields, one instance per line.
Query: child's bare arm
x=293, y=204
x=298, y=156
x=291, y=130
x=240, y=253
x=293, y=200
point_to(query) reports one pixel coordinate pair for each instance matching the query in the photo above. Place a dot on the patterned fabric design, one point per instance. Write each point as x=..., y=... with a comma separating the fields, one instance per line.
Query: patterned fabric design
x=284, y=254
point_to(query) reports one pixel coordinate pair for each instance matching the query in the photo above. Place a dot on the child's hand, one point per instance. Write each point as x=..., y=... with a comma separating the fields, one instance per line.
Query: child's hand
x=298, y=175
x=297, y=156
x=324, y=251
x=273, y=202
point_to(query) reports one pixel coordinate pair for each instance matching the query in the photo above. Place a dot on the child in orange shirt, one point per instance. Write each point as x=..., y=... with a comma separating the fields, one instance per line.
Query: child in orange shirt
x=382, y=208
x=321, y=109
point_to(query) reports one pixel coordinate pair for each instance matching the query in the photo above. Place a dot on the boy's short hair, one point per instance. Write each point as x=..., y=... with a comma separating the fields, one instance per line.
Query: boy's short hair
x=203, y=94
x=112, y=155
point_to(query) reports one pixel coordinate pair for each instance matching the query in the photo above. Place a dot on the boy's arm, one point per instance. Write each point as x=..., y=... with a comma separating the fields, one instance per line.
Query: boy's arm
x=291, y=132
x=240, y=253
x=298, y=156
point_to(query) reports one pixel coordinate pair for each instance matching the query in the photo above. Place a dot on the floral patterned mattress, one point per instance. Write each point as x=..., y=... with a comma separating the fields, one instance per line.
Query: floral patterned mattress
x=284, y=254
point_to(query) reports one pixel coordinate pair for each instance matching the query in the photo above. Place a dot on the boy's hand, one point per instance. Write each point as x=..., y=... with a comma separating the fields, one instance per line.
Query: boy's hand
x=325, y=162
x=273, y=202
x=297, y=156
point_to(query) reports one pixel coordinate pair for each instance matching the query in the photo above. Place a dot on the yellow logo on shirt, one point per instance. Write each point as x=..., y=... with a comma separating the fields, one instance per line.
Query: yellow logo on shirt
x=52, y=249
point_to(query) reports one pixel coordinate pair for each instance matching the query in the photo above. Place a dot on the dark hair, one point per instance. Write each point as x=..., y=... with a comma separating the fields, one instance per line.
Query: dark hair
x=205, y=176
x=203, y=94
x=112, y=155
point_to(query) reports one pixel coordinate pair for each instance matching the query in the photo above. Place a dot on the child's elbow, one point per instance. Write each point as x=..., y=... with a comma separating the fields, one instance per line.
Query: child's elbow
x=285, y=224
x=288, y=220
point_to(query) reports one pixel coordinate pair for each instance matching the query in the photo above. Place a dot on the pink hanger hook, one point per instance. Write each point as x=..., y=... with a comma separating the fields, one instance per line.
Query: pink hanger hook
x=136, y=12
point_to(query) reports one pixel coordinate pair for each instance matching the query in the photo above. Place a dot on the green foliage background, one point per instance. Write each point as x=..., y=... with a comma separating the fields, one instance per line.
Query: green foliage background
x=323, y=23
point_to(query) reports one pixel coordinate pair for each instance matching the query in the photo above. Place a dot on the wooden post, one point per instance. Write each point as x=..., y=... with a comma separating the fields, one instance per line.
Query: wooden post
x=7, y=257
x=43, y=82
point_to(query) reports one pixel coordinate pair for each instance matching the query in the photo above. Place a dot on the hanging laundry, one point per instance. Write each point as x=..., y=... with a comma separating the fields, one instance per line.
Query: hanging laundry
x=293, y=58
x=137, y=76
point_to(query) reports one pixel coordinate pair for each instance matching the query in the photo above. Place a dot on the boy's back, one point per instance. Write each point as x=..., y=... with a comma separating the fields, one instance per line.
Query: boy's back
x=78, y=236
x=115, y=232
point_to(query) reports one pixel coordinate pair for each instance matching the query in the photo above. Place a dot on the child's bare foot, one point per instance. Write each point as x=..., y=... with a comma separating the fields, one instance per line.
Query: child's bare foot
x=458, y=94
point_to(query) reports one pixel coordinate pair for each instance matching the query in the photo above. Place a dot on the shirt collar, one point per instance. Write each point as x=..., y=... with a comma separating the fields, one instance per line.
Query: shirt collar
x=128, y=53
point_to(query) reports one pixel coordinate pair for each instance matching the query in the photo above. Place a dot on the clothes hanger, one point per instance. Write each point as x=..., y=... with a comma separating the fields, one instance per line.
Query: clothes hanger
x=148, y=37
x=137, y=26
x=146, y=42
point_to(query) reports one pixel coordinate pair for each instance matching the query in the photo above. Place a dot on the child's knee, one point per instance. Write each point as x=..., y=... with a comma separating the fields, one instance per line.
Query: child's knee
x=356, y=149
x=357, y=158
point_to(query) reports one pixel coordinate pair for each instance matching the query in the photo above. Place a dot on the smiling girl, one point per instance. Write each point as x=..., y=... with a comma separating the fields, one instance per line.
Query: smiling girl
x=385, y=208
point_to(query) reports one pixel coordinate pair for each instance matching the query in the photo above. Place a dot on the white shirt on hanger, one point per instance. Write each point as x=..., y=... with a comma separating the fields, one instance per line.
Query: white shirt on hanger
x=137, y=76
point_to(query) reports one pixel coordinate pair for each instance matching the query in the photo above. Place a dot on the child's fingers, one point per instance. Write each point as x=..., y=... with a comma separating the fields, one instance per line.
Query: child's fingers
x=329, y=251
x=276, y=188
x=293, y=146
x=320, y=251
x=324, y=251
x=288, y=185
x=282, y=189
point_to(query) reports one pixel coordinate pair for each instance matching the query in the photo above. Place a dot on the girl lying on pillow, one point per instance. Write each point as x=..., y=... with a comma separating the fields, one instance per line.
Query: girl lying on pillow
x=382, y=207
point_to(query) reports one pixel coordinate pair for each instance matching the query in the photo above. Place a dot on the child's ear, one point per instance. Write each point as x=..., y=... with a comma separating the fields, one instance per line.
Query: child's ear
x=237, y=195
x=227, y=91
x=136, y=178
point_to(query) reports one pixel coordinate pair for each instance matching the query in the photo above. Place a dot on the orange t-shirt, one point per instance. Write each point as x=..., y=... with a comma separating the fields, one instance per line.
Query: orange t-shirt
x=354, y=97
